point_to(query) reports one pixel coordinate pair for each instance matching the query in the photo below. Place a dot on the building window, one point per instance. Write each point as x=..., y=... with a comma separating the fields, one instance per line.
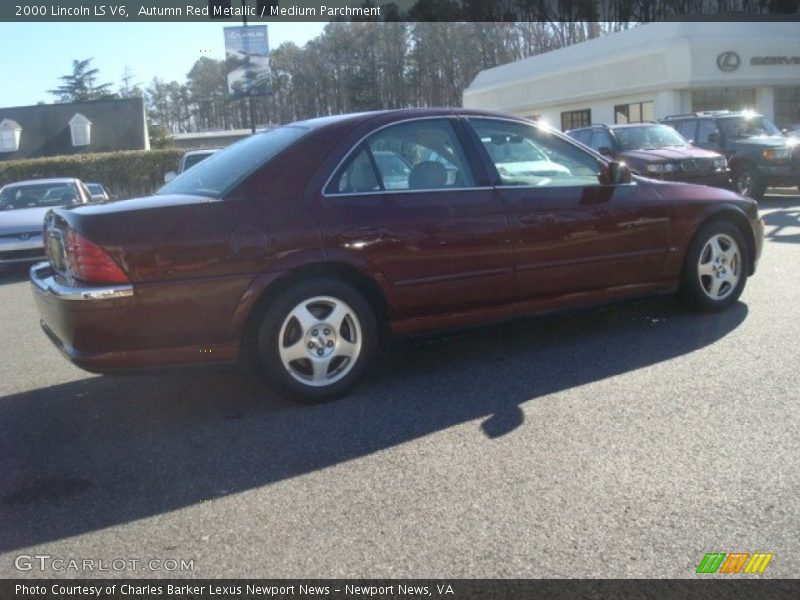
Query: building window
x=723, y=99
x=575, y=118
x=10, y=133
x=787, y=106
x=634, y=112
x=81, y=130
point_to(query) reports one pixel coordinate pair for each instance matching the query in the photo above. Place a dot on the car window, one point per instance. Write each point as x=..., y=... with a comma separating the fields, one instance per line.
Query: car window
x=685, y=128
x=219, y=173
x=87, y=193
x=705, y=127
x=526, y=155
x=585, y=136
x=747, y=126
x=420, y=155
x=417, y=155
x=359, y=177
x=601, y=139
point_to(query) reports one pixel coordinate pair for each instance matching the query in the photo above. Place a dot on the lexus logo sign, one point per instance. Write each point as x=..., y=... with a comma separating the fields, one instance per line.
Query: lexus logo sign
x=728, y=61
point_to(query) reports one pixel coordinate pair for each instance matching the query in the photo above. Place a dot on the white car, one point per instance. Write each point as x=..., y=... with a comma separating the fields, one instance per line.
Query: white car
x=189, y=160
x=23, y=206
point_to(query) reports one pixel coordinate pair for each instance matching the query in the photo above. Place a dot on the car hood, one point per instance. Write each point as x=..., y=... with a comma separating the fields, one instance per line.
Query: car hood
x=22, y=220
x=667, y=154
x=762, y=141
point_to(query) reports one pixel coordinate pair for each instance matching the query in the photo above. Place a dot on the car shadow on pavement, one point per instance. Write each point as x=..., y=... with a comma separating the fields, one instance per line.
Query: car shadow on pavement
x=783, y=226
x=103, y=451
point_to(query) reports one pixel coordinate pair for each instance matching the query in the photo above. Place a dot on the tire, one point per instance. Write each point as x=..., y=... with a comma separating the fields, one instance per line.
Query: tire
x=748, y=181
x=715, y=270
x=315, y=339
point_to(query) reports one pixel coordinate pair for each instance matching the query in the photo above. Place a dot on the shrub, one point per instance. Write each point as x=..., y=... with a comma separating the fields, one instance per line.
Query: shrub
x=124, y=174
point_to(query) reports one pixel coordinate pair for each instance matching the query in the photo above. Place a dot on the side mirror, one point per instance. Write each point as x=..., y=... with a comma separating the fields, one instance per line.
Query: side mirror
x=713, y=137
x=169, y=176
x=605, y=151
x=615, y=173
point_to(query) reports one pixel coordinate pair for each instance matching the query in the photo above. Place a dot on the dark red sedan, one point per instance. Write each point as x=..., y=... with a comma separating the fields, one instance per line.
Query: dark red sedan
x=304, y=247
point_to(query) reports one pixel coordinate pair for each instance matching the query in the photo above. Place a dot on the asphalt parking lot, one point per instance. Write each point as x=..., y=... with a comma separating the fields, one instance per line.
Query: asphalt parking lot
x=623, y=443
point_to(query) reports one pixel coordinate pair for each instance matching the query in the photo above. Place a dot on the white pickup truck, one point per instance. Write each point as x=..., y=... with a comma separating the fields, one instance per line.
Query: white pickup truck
x=189, y=160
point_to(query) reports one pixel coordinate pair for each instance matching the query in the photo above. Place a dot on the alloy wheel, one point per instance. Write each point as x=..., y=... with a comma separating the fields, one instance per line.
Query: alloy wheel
x=719, y=266
x=320, y=341
x=744, y=183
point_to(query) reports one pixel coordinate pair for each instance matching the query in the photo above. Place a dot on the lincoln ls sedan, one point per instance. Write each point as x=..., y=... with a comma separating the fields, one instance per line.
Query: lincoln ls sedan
x=300, y=250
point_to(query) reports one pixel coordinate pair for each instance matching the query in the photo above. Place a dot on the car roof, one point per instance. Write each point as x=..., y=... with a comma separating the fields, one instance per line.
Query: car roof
x=52, y=180
x=400, y=115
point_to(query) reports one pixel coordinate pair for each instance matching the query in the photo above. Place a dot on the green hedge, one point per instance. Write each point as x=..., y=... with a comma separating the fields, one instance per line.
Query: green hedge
x=124, y=174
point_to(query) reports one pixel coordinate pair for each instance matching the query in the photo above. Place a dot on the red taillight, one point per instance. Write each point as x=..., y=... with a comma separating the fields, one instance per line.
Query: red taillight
x=88, y=262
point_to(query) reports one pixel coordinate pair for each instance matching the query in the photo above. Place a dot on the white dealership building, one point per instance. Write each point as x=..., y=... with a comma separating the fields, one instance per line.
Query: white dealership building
x=651, y=71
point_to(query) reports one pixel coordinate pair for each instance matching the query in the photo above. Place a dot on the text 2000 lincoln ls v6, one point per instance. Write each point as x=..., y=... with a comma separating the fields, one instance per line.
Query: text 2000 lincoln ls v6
x=303, y=247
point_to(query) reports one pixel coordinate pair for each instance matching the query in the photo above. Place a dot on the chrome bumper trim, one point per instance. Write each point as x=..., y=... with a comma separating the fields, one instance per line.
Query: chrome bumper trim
x=42, y=277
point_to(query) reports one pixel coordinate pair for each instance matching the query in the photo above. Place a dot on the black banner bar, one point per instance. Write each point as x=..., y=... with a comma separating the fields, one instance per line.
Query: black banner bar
x=397, y=10
x=409, y=589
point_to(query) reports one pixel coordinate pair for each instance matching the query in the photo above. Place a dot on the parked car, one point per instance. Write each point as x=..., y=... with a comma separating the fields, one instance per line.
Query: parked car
x=792, y=130
x=287, y=250
x=758, y=155
x=99, y=193
x=23, y=206
x=188, y=160
x=655, y=150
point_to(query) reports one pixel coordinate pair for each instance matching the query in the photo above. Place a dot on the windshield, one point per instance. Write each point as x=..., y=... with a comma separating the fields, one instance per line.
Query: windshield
x=735, y=128
x=219, y=173
x=37, y=196
x=650, y=137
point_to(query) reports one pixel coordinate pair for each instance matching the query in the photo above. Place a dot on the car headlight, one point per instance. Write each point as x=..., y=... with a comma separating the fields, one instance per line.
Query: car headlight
x=777, y=153
x=720, y=163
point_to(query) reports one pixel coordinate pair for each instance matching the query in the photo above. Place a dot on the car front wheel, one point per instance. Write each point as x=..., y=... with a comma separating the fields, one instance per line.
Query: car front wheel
x=315, y=339
x=749, y=182
x=715, y=270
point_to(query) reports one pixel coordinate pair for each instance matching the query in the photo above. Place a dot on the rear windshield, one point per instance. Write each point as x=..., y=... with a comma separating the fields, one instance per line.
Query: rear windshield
x=222, y=171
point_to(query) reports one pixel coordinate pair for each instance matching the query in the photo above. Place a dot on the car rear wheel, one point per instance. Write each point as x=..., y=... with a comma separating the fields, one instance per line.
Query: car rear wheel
x=715, y=270
x=749, y=182
x=315, y=339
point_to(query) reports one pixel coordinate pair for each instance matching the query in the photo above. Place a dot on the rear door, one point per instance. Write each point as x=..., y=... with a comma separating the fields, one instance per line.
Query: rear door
x=571, y=234
x=406, y=205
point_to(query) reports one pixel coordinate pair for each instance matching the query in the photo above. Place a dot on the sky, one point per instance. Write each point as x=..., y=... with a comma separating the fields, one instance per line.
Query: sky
x=37, y=54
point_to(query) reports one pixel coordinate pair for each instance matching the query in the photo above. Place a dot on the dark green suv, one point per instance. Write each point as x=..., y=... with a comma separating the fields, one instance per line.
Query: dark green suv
x=758, y=154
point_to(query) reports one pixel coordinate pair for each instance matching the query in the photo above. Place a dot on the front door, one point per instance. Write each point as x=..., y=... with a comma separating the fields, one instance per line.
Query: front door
x=571, y=234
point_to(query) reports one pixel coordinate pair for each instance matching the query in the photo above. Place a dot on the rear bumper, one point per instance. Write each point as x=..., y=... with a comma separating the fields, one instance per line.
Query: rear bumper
x=108, y=329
